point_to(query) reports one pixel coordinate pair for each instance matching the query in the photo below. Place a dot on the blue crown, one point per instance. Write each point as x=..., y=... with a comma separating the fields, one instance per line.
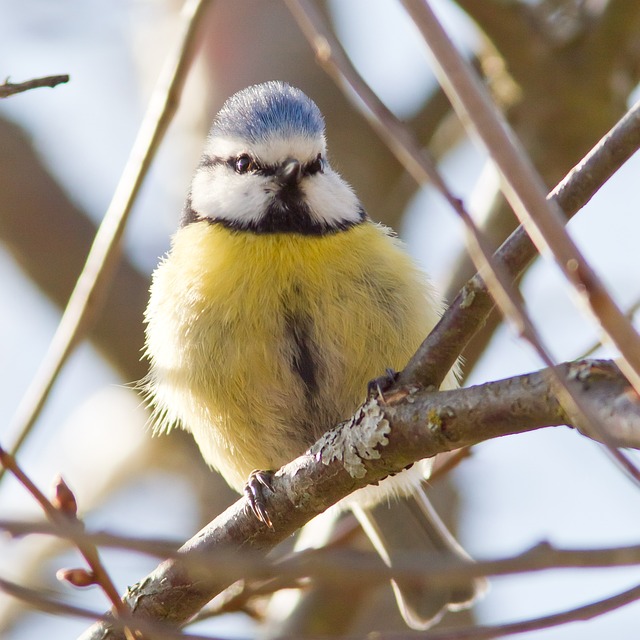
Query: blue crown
x=260, y=112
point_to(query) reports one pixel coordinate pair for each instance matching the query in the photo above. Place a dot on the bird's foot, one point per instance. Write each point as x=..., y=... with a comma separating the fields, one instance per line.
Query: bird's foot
x=378, y=386
x=254, y=491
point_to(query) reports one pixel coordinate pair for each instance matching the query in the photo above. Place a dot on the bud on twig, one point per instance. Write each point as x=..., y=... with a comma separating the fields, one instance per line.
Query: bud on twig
x=76, y=577
x=63, y=498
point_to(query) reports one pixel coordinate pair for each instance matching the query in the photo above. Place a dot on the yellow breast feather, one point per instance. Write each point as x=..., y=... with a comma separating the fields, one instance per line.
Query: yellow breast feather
x=277, y=333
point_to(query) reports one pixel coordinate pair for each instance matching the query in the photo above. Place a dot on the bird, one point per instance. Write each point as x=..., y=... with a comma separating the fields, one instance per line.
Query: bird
x=277, y=303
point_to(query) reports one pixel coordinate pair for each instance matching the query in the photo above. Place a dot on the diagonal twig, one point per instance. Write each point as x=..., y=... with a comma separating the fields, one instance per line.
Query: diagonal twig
x=67, y=521
x=104, y=254
x=9, y=88
x=418, y=163
x=466, y=313
x=579, y=614
x=421, y=424
x=523, y=187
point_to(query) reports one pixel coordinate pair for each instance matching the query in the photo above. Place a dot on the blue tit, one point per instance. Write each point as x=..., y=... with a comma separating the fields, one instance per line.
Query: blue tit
x=277, y=303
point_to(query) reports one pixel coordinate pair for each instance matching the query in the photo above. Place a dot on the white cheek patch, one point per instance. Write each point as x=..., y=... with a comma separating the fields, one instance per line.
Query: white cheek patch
x=331, y=199
x=219, y=192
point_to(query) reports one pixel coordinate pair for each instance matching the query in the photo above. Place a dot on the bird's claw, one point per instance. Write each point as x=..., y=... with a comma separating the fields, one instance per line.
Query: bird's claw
x=254, y=491
x=378, y=386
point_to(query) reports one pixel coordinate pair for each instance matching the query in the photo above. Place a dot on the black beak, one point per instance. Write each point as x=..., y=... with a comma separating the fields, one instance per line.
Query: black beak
x=289, y=173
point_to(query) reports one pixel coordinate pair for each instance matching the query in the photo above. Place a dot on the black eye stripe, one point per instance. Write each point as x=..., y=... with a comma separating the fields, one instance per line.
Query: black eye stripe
x=256, y=167
x=315, y=166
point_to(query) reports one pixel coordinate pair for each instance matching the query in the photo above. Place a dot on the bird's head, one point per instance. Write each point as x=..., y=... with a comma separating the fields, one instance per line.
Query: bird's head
x=264, y=168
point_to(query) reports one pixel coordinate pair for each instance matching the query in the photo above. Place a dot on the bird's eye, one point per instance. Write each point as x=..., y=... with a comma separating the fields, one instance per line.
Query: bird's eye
x=244, y=163
x=315, y=166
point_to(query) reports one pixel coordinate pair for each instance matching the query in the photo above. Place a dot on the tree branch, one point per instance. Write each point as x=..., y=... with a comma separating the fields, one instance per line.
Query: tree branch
x=53, y=246
x=358, y=568
x=104, y=256
x=468, y=311
x=9, y=88
x=408, y=426
x=523, y=187
x=586, y=612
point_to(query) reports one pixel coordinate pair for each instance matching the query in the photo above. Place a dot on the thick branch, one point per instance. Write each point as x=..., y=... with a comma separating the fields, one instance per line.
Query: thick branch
x=408, y=426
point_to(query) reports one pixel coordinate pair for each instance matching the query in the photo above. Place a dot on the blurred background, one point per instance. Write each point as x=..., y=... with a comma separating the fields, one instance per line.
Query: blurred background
x=564, y=71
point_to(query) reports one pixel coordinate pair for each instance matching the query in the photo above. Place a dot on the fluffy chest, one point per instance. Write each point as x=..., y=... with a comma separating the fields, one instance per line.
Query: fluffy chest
x=278, y=334
x=257, y=286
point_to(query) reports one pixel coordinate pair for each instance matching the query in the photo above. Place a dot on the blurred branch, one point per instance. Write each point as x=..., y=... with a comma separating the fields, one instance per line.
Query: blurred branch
x=571, y=85
x=62, y=513
x=469, y=310
x=523, y=187
x=98, y=271
x=49, y=236
x=9, y=88
x=334, y=564
x=153, y=547
x=525, y=190
x=579, y=614
x=583, y=613
x=356, y=568
x=415, y=425
x=353, y=569
x=37, y=600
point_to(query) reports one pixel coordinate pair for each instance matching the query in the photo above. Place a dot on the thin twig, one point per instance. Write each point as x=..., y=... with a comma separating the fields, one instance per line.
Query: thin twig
x=335, y=563
x=153, y=547
x=579, y=614
x=587, y=612
x=39, y=601
x=403, y=144
x=9, y=88
x=631, y=311
x=105, y=251
x=468, y=311
x=66, y=523
x=524, y=188
x=485, y=632
x=542, y=219
x=421, y=424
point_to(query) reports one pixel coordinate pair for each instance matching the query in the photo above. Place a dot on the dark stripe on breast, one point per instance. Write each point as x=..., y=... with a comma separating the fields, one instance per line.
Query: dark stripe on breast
x=303, y=364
